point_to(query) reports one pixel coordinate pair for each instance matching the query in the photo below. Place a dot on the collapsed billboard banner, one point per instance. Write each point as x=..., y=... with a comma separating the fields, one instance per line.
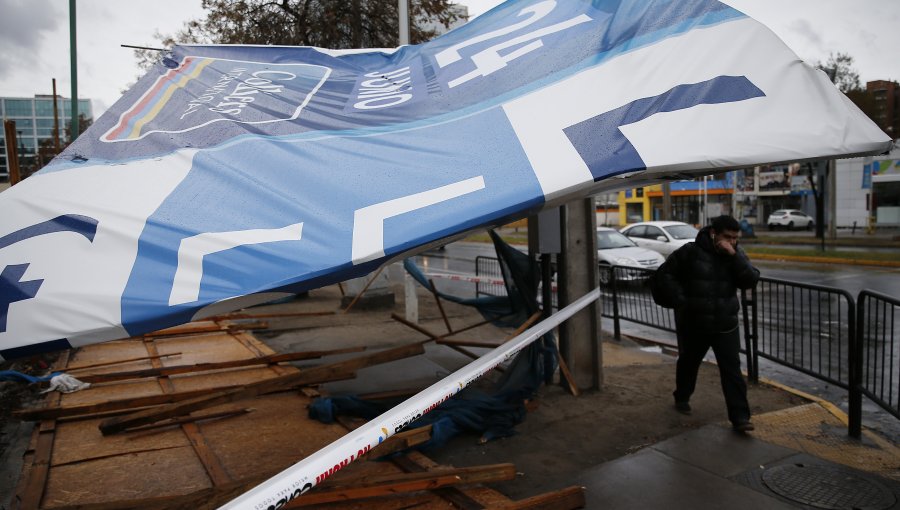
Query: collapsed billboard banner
x=232, y=175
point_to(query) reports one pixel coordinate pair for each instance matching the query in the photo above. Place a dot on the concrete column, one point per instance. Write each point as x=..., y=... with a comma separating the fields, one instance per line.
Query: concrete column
x=580, y=336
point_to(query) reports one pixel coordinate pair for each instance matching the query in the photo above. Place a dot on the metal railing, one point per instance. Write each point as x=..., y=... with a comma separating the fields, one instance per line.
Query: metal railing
x=629, y=296
x=809, y=328
x=488, y=266
x=817, y=330
x=877, y=355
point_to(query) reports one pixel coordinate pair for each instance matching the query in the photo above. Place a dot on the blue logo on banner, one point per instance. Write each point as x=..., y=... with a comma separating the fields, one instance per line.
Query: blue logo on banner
x=12, y=288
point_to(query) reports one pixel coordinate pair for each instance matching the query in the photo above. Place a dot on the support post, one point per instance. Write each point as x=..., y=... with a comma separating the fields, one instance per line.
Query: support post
x=580, y=336
x=74, y=70
x=403, y=15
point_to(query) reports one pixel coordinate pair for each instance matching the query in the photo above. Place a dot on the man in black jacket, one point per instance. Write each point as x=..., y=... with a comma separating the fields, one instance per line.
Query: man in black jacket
x=701, y=280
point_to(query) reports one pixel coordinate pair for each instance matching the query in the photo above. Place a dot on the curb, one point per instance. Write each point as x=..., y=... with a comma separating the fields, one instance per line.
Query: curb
x=822, y=260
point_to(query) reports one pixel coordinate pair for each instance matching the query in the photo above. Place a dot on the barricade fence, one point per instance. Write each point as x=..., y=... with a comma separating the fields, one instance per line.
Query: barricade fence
x=817, y=330
x=877, y=355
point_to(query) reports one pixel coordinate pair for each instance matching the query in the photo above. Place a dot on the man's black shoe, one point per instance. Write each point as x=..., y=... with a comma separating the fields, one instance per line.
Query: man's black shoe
x=683, y=407
x=743, y=426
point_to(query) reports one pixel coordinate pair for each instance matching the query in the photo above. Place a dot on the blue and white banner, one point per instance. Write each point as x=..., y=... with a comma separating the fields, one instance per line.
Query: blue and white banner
x=233, y=174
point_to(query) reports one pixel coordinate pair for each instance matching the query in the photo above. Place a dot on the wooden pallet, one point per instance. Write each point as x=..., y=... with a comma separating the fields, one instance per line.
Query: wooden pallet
x=201, y=457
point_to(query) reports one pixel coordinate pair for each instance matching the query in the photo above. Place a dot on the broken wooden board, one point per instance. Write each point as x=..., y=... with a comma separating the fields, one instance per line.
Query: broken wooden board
x=208, y=461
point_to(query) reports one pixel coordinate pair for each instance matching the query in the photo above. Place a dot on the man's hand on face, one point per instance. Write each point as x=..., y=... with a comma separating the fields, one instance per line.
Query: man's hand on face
x=726, y=241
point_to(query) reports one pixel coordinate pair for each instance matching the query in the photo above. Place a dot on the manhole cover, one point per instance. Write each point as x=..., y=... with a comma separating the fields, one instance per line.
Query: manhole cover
x=827, y=487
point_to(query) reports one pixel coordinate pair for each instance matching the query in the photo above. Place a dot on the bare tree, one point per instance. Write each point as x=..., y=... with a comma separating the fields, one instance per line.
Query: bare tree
x=335, y=24
x=839, y=67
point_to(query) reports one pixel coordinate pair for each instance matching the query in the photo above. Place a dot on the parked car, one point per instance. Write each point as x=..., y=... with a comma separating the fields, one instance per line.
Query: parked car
x=614, y=249
x=663, y=237
x=790, y=219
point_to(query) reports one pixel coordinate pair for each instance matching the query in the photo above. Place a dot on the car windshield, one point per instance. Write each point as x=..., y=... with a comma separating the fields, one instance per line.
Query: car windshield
x=607, y=239
x=780, y=212
x=682, y=231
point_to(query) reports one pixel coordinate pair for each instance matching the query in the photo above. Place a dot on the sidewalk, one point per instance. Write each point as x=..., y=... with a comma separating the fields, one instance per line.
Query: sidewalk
x=629, y=448
x=625, y=443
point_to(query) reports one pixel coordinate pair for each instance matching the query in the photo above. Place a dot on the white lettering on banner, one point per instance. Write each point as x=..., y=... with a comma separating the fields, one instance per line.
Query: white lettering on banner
x=240, y=97
x=191, y=250
x=490, y=60
x=210, y=94
x=384, y=90
x=368, y=222
x=539, y=10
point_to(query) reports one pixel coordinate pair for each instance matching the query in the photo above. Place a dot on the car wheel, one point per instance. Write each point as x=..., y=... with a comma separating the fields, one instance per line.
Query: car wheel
x=772, y=227
x=790, y=225
x=811, y=225
x=605, y=274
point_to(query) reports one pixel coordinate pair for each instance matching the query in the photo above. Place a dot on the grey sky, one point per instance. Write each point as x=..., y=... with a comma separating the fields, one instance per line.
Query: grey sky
x=34, y=35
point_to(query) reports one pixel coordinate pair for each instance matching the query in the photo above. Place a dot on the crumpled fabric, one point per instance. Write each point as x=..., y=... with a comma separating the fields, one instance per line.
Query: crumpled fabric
x=65, y=383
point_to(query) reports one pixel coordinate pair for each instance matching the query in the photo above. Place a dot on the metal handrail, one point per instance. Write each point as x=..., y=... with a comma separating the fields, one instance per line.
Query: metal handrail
x=876, y=358
x=817, y=330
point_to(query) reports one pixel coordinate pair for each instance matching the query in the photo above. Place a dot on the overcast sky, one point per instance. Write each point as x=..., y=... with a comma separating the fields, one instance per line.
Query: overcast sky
x=34, y=38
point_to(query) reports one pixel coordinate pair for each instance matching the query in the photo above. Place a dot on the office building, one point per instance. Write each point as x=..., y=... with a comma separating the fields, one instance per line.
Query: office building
x=34, y=128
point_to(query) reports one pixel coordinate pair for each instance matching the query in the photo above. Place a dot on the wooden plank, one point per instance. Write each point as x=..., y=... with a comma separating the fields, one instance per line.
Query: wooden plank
x=119, y=362
x=40, y=466
x=131, y=404
x=440, y=306
x=33, y=488
x=416, y=327
x=250, y=315
x=564, y=370
x=211, y=327
x=364, y=289
x=205, y=367
x=472, y=474
x=152, y=429
x=412, y=463
x=467, y=343
x=305, y=377
x=213, y=466
x=34, y=414
x=350, y=493
x=564, y=499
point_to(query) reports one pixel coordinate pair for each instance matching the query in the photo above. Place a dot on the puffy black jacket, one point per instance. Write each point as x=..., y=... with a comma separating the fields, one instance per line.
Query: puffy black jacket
x=702, y=283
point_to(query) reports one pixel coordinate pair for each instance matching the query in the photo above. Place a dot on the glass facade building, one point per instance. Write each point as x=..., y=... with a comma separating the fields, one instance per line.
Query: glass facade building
x=34, y=126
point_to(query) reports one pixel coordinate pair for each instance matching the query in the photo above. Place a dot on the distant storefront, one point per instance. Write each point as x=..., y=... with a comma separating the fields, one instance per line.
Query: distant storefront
x=762, y=190
x=885, y=181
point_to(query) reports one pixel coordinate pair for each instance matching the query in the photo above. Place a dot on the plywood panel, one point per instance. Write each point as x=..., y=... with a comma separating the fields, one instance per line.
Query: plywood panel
x=202, y=349
x=220, y=379
x=107, y=351
x=157, y=473
x=276, y=435
x=79, y=440
x=111, y=391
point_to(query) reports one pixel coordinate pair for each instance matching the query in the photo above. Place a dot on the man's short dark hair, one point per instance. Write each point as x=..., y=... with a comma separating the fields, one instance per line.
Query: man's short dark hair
x=725, y=222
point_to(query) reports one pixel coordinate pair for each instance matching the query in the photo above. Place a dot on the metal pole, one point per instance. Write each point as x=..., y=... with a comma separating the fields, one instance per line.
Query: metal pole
x=403, y=14
x=55, y=121
x=12, y=151
x=832, y=200
x=667, y=202
x=74, y=70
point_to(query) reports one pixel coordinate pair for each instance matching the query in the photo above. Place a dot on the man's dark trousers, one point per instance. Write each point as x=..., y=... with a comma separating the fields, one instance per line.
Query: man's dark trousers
x=692, y=348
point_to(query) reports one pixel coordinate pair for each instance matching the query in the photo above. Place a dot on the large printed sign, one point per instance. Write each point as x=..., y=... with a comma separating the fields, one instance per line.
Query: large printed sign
x=230, y=174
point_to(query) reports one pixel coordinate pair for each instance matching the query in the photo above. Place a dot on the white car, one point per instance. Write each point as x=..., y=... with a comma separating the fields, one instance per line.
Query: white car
x=663, y=237
x=790, y=219
x=614, y=249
